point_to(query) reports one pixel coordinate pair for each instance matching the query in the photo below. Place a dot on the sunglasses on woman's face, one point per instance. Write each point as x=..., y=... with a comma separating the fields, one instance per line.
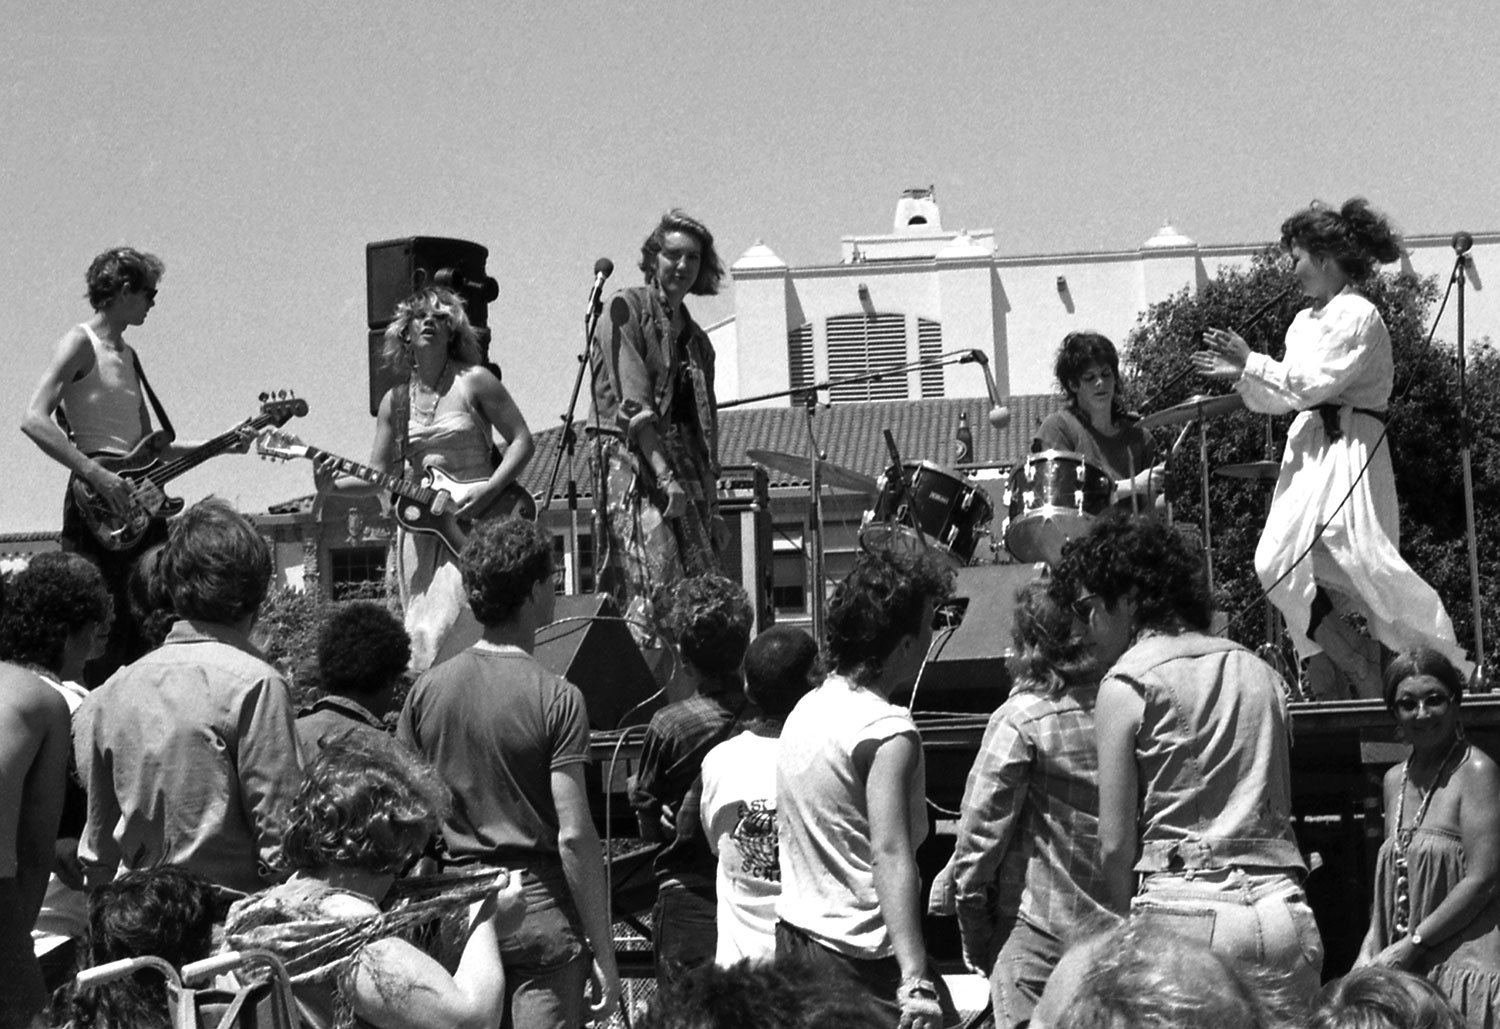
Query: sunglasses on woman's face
x=1437, y=704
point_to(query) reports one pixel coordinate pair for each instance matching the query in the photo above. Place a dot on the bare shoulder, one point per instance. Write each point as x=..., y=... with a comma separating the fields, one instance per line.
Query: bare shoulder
x=478, y=381
x=1480, y=770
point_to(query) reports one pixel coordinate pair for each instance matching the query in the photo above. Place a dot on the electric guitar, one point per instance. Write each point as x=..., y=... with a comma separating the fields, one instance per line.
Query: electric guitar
x=143, y=468
x=426, y=506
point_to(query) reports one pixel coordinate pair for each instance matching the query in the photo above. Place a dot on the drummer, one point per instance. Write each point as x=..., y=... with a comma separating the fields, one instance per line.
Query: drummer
x=1096, y=424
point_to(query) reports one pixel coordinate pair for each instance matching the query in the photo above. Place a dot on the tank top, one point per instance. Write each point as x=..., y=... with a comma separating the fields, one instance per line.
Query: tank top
x=104, y=412
x=456, y=441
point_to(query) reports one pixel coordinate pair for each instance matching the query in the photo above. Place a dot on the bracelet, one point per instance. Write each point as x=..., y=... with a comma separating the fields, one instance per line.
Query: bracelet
x=915, y=986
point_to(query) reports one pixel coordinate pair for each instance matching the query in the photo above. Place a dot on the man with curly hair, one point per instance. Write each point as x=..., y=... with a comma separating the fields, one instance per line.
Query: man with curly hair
x=851, y=795
x=363, y=651
x=1195, y=796
x=708, y=620
x=511, y=739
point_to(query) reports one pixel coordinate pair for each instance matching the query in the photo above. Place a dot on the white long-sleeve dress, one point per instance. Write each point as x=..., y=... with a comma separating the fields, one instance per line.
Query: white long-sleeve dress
x=1339, y=354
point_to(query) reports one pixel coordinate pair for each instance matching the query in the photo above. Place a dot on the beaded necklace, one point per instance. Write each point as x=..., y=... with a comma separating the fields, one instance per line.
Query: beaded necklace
x=1402, y=920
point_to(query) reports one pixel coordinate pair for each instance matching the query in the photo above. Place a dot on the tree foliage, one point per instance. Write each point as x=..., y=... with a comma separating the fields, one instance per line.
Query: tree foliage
x=1425, y=433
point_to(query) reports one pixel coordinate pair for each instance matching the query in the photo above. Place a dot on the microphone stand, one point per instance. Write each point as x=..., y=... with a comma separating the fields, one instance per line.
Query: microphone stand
x=808, y=397
x=569, y=442
x=1466, y=452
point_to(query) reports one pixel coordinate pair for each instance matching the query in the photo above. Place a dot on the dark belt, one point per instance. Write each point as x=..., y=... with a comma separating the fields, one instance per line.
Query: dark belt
x=1330, y=415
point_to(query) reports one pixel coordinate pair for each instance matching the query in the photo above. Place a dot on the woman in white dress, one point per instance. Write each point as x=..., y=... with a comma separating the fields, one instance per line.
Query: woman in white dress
x=1331, y=543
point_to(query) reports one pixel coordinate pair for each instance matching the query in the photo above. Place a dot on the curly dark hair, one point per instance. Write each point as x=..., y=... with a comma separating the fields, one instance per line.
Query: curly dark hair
x=881, y=600
x=1081, y=351
x=362, y=648
x=365, y=803
x=165, y=912
x=710, y=270
x=1421, y=661
x=1144, y=557
x=53, y=597
x=1050, y=651
x=119, y=269
x=1356, y=236
x=781, y=665
x=708, y=617
x=216, y=567
x=146, y=593
x=501, y=564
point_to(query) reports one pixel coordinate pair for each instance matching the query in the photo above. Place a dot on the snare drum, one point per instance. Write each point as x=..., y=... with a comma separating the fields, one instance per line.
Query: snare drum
x=1052, y=498
x=949, y=509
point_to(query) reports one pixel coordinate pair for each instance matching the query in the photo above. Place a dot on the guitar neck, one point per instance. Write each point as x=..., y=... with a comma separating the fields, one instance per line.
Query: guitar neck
x=213, y=448
x=387, y=480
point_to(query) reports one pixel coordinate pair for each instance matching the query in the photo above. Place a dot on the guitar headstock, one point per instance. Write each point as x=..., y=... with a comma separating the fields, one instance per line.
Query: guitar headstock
x=281, y=406
x=275, y=445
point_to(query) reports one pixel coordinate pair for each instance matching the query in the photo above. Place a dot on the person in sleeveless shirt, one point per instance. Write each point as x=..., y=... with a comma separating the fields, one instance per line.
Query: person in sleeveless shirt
x=445, y=415
x=92, y=385
x=1436, y=911
x=1096, y=424
x=1195, y=796
x=1332, y=540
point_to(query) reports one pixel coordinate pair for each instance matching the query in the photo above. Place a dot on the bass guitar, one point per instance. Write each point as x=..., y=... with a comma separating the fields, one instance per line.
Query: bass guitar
x=147, y=473
x=426, y=506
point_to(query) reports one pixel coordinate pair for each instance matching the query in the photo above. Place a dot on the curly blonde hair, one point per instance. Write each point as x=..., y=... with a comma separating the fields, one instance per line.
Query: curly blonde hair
x=463, y=340
x=365, y=803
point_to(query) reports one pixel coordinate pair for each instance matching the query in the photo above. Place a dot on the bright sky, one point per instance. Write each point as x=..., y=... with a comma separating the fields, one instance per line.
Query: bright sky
x=258, y=146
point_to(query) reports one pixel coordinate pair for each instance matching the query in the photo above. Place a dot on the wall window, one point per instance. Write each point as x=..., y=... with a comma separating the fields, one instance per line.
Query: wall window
x=930, y=348
x=860, y=343
x=799, y=357
x=562, y=565
x=355, y=571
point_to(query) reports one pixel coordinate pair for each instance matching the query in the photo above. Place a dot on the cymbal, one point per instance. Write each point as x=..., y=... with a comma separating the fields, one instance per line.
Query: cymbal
x=832, y=475
x=1265, y=471
x=1201, y=406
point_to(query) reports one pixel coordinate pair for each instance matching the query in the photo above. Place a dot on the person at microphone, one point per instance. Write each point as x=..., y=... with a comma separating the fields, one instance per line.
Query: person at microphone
x=655, y=424
x=444, y=414
x=1095, y=422
x=1331, y=541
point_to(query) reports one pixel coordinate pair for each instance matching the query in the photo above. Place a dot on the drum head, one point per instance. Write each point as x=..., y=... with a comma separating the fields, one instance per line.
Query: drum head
x=1040, y=535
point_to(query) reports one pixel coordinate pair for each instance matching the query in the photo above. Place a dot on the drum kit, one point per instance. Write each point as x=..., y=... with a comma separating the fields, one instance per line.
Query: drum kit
x=1051, y=498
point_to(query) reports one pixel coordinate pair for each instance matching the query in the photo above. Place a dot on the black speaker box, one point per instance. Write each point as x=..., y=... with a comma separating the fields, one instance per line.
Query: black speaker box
x=967, y=671
x=397, y=268
x=592, y=649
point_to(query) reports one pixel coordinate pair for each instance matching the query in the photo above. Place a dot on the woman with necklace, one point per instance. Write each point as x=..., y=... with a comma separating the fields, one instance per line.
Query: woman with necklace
x=1331, y=542
x=1436, y=911
x=445, y=416
x=1095, y=423
x=655, y=423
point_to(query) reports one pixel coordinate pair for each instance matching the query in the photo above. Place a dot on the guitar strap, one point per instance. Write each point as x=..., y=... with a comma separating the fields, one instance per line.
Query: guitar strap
x=161, y=414
x=401, y=407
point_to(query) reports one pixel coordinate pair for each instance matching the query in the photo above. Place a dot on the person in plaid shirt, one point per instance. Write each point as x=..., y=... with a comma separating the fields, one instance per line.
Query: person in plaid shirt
x=1033, y=799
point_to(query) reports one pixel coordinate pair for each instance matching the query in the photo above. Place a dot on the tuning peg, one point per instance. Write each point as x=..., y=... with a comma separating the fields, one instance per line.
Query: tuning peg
x=264, y=396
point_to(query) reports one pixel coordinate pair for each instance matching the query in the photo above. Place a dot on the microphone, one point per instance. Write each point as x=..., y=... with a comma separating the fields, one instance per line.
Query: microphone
x=603, y=269
x=999, y=416
x=1462, y=241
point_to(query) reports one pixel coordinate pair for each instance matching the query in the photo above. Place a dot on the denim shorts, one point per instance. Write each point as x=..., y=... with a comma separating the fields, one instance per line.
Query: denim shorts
x=1259, y=917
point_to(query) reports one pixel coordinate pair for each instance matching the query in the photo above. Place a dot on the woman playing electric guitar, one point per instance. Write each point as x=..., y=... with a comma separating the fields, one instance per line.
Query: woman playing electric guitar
x=444, y=416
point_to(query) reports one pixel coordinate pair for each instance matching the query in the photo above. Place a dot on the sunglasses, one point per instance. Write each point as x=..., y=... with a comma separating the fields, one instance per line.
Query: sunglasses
x=1411, y=705
x=1082, y=609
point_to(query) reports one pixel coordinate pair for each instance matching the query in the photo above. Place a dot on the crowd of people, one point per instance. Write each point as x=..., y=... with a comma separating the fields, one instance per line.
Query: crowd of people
x=1125, y=851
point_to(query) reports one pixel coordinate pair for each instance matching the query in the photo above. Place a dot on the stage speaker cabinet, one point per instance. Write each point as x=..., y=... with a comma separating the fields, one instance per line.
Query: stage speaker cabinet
x=967, y=671
x=587, y=645
x=397, y=268
x=745, y=505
